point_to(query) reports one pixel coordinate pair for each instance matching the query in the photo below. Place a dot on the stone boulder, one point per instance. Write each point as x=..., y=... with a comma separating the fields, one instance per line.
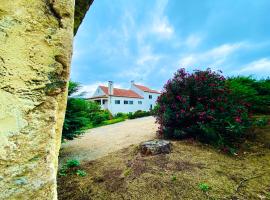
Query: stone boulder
x=155, y=147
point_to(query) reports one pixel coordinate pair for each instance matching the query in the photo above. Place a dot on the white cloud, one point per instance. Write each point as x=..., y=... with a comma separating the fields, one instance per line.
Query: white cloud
x=193, y=41
x=88, y=90
x=157, y=25
x=144, y=63
x=212, y=57
x=162, y=28
x=160, y=24
x=261, y=66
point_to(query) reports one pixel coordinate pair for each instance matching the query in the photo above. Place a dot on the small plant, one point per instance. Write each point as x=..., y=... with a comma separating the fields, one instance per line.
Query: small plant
x=81, y=173
x=261, y=122
x=63, y=171
x=127, y=172
x=204, y=187
x=268, y=195
x=72, y=163
x=173, y=178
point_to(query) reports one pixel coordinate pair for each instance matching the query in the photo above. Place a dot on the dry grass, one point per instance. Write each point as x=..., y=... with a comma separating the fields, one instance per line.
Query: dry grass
x=127, y=175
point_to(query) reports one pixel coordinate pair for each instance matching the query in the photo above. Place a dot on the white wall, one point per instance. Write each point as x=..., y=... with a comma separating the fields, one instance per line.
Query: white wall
x=124, y=108
x=146, y=101
x=98, y=92
x=137, y=90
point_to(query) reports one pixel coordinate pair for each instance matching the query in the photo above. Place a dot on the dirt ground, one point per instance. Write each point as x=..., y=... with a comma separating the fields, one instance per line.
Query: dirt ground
x=100, y=141
x=125, y=174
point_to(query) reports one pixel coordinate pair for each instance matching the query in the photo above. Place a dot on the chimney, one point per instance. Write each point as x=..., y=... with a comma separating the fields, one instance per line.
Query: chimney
x=110, y=88
x=132, y=83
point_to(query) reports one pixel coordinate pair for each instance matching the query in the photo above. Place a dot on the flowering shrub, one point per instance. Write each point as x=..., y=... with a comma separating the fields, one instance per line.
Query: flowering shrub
x=199, y=105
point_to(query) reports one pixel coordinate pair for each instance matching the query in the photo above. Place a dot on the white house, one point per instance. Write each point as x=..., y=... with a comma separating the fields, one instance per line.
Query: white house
x=117, y=100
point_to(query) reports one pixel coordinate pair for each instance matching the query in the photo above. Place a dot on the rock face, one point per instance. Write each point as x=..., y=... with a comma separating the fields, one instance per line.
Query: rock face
x=155, y=147
x=81, y=7
x=35, y=51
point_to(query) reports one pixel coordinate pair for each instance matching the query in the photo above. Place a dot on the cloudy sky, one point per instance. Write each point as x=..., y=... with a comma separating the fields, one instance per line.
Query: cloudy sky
x=147, y=41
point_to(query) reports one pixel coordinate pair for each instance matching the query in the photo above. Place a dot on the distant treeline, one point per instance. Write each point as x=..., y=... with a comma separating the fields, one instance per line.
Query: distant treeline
x=252, y=91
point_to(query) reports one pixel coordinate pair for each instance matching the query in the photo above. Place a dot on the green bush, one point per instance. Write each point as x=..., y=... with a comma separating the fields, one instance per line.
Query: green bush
x=261, y=122
x=98, y=118
x=82, y=114
x=139, y=114
x=199, y=105
x=121, y=115
x=72, y=163
x=76, y=119
x=79, y=114
x=254, y=92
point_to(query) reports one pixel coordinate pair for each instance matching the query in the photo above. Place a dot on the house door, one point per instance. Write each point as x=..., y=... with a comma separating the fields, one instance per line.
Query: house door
x=151, y=106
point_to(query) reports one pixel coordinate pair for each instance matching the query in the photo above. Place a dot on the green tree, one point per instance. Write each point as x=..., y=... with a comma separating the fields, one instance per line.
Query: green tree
x=79, y=113
x=255, y=92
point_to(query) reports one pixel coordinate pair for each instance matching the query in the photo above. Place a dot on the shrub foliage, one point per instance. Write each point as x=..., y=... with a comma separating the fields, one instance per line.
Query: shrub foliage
x=199, y=105
x=139, y=114
x=81, y=114
x=255, y=92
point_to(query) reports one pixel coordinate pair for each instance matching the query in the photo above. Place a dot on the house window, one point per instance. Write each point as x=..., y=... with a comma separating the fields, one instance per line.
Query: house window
x=117, y=101
x=125, y=102
x=130, y=102
x=139, y=102
x=103, y=101
x=150, y=97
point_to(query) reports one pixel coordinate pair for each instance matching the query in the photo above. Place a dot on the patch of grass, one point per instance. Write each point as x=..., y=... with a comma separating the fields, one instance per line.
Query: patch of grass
x=204, y=187
x=127, y=172
x=174, y=178
x=113, y=121
x=107, y=122
x=81, y=173
x=261, y=122
x=191, y=171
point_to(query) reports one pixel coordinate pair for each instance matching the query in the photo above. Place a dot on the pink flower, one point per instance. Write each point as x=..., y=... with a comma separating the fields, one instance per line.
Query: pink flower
x=179, y=98
x=238, y=119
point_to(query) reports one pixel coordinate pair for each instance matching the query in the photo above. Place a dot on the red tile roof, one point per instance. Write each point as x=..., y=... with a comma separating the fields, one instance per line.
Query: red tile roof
x=121, y=92
x=146, y=89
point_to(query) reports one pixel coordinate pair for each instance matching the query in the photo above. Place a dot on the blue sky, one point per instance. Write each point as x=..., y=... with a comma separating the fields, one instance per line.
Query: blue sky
x=147, y=41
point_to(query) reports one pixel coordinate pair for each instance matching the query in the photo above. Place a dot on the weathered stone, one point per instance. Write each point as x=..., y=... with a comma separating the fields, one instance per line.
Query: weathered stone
x=35, y=51
x=81, y=8
x=155, y=147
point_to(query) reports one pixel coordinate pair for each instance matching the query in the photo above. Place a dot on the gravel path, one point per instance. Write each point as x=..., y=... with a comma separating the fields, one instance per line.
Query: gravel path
x=100, y=141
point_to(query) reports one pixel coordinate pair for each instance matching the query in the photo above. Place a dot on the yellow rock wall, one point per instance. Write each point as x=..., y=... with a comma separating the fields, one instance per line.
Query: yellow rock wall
x=35, y=52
